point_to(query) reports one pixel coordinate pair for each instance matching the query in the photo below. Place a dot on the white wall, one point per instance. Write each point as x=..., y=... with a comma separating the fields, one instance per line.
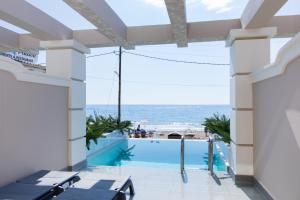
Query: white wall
x=33, y=127
x=277, y=133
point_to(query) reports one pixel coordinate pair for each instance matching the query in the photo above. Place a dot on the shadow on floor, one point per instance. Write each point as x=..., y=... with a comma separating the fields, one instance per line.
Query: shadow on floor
x=184, y=177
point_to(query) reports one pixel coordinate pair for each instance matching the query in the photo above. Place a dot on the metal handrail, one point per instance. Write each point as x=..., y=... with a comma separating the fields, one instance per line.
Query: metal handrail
x=182, y=155
x=211, y=154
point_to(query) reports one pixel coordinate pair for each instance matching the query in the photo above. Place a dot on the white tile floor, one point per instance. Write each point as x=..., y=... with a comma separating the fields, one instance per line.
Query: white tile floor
x=161, y=183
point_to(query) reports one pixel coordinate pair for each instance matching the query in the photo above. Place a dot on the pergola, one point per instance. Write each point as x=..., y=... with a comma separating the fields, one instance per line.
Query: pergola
x=247, y=37
x=111, y=30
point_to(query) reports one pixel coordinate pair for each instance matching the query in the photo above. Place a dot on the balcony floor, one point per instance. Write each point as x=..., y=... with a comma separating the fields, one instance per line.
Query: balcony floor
x=161, y=183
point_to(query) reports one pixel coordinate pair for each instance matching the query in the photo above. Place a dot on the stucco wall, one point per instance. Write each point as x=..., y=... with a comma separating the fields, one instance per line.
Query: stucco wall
x=33, y=127
x=277, y=133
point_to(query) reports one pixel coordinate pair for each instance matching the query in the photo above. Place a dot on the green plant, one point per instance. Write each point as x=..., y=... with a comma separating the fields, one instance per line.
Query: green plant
x=218, y=124
x=97, y=125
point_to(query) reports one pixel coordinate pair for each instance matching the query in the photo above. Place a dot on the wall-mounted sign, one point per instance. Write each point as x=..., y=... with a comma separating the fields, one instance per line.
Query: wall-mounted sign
x=24, y=57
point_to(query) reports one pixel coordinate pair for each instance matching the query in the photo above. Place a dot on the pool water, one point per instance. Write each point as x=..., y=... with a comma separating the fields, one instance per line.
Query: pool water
x=155, y=153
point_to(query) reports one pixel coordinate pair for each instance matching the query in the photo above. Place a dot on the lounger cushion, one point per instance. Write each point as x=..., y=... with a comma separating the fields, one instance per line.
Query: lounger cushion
x=98, y=176
x=49, y=178
x=35, y=185
x=44, y=181
x=99, y=184
x=54, y=174
x=101, y=181
x=14, y=197
x=30, y=191
x=82, y=194
x=48, y=174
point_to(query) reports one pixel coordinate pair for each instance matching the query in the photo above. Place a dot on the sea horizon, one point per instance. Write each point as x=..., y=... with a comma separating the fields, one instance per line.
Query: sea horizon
x=162, y=116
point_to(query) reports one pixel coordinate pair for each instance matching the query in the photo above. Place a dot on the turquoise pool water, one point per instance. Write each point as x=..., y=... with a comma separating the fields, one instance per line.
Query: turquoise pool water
x=155, y=153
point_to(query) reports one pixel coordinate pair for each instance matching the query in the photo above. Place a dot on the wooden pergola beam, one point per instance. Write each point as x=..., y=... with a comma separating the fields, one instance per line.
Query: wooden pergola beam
x=24, y=15
x=177, y=14
x=258, y=13
x=100, y=14
x=287, y=26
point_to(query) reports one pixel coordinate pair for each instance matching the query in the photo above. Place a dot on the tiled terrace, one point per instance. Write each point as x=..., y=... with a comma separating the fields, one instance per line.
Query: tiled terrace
x=162, y=183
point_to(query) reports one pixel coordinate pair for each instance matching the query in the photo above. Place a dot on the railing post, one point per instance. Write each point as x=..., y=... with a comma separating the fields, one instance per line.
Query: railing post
x=182, y=155
x=211, y=155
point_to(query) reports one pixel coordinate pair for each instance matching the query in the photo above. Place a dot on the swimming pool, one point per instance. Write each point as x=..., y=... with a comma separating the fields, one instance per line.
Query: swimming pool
x=155, y=153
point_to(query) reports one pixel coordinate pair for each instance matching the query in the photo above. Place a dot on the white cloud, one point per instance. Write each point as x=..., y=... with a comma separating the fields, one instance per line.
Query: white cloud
x=156, y=3
x=219, y=6
x=225, y=9
x=193, y=2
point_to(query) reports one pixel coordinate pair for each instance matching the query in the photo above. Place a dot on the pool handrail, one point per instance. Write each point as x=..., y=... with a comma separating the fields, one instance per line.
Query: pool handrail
x=211, y=153
x=182, y=149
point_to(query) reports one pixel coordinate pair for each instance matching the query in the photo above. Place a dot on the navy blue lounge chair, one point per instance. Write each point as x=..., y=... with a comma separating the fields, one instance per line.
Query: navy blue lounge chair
x=50, y=178
x=41, y=185
x=59, y=185
x=92, y=194
x=18, y=191
x=98, y=186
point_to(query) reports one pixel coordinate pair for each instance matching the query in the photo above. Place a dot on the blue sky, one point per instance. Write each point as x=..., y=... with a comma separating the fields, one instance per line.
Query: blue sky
x=147, y=81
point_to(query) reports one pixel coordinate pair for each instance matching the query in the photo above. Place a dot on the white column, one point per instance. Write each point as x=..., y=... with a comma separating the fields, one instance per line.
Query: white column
x=67, y=59
x=249, y=51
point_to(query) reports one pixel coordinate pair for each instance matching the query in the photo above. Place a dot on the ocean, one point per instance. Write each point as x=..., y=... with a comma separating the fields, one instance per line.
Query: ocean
x=155, y=116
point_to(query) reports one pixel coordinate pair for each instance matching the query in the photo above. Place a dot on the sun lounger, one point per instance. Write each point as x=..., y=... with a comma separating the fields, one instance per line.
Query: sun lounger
x=91, y=194
x=50, y=178
x=16, y=191
x=105, y=181
x=98, y=186
x=14, y=197
x=44, y=185
x=40, y=185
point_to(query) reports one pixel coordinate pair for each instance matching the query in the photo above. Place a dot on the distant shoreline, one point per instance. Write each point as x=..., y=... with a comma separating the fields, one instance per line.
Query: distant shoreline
x=159, y=134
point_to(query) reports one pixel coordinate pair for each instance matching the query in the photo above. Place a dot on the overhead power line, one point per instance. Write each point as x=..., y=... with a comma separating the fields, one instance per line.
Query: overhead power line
x=179, y=53
x=177, y=61
x=101, y=54
x=158, y=58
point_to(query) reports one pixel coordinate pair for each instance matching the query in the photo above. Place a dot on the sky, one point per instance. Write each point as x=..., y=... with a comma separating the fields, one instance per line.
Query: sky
x=149, y=81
